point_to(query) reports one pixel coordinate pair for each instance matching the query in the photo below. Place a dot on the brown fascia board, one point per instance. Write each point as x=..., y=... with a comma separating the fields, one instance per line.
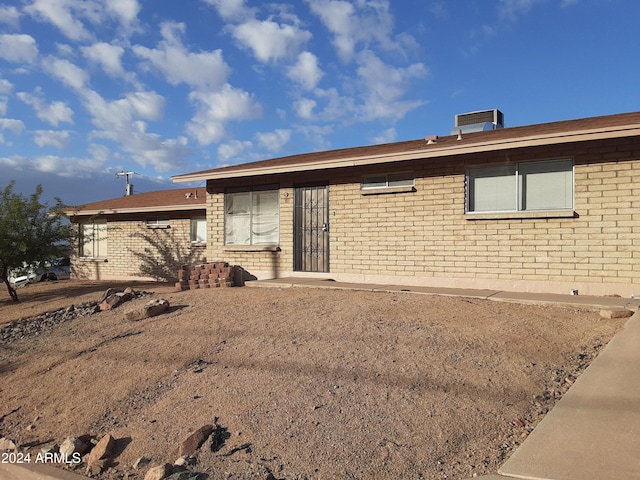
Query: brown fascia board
x=597, y=128
x=114, y=211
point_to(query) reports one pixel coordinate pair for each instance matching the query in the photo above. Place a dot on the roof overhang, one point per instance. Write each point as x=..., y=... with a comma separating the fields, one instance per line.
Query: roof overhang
x=462, y=147
x=151, y=209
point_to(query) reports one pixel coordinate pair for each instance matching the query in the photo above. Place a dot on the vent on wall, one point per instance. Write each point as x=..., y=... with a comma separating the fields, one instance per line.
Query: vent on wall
x=478, y=121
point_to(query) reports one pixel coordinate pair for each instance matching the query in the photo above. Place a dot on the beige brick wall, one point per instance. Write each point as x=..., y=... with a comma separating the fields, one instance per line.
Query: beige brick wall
x=129, y=236
x=425, y=238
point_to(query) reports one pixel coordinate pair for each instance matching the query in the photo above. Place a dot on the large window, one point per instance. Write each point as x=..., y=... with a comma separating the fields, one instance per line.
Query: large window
x=525, y=186
x=199, y=230
x=93, y=242
x=252, y=217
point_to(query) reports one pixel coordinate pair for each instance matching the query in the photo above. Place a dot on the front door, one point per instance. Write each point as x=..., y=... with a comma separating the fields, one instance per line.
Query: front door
x=311, y=229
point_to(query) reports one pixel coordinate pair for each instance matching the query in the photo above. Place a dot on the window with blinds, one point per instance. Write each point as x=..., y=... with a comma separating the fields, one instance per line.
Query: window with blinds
x=522, y=187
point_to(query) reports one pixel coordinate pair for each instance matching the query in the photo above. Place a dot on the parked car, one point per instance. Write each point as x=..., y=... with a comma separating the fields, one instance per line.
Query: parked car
x=59, y=269
x=20, y=277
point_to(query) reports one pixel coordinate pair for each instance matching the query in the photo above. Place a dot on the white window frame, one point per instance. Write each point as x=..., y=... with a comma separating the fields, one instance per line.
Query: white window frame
x=157, y=223
x=389, y=180
x=510, y=181
x=94, y=239
x=252, y=217
x=198, y=229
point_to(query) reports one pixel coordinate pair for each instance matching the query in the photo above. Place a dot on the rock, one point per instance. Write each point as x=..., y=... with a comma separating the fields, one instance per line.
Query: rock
x=98, y=466
x=150, y=309
x=185, y=460
x=141, y=462
x=51, y=448
x=194, y=441
x=160, y=472
x=73, y=445
x=7, y=445
x=115, y=300
x=518, y=423
x=107, y=293
x=616, y=313
x=102, y=450
x=183, y=475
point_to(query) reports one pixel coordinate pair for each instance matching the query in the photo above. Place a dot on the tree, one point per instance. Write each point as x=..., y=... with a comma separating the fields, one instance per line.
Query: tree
x=31, y=232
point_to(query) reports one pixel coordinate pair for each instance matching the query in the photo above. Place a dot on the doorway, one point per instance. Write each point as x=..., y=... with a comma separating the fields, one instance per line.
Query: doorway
x=311, y=229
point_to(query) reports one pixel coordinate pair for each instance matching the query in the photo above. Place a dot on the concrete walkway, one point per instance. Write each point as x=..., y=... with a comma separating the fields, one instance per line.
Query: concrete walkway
x=593, y=432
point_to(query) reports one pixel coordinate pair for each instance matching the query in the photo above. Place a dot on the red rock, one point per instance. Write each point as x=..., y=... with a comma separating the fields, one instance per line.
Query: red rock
x=194, y=441
x=102, y=450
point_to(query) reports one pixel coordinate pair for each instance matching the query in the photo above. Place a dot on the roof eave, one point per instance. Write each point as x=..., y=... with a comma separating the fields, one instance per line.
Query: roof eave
x=151, y=209
x=431, y=151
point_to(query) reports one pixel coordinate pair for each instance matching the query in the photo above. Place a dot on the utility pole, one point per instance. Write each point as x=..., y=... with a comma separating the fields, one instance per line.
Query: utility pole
x=128, y=186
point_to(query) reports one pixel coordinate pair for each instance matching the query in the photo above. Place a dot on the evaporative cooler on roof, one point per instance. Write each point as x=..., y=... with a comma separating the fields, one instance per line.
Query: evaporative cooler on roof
x=478, y=121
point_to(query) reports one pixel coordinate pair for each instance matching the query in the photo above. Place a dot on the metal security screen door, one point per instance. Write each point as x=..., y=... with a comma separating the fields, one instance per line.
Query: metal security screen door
x=311, y=229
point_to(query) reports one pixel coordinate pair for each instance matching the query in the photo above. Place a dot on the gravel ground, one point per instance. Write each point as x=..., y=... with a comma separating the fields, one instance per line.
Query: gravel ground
x=297, y=383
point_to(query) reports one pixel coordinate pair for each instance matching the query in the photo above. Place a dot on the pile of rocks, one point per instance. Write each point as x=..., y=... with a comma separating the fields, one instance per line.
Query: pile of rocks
x=98, y=455
x=27, y=327
x=206, y=275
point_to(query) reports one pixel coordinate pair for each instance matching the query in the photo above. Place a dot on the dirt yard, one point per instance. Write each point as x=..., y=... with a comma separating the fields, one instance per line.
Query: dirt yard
x=298, y=383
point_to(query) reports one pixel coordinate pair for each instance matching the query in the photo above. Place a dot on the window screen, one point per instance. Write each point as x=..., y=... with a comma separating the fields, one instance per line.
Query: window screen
x=525, y=186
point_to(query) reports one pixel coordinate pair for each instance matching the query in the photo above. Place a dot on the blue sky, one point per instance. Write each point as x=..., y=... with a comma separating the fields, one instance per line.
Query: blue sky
x=89, y=88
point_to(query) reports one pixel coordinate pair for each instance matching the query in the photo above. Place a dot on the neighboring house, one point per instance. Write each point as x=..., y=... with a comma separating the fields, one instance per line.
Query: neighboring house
x=141, y=236
x=541, y=208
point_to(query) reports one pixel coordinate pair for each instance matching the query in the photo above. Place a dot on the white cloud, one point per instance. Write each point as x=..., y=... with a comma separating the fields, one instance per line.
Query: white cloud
x=204, y=70
x=149, y=149
x=306, y=71
x=229, y=150
x=359, y=23
x=512, y=9
x=304, y=108
x=107, y=56
x=10, y=16
x=231, y=10
x=16, y=162
x=5, y=86
x=71, y=75
x=270, y=41
x=13, y=125
x=58, y=139
x=18, y=48
x=59, y=14
x=53, y=113
x=68, y=15
x=388, y=136
x=385, y=85
x=215, y=109
x=3, y=106
x=64, y=166
x=99, y=152
x=125, y=10
x=119, y=122
x=274, y=141
x=316, y=136
x=147, y=105
x=337, y=16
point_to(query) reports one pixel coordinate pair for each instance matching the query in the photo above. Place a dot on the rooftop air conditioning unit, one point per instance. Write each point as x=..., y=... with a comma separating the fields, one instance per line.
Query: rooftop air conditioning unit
x=478, y=121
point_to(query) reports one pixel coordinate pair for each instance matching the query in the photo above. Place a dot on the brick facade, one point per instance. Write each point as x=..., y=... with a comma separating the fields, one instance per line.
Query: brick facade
x=132, y=248
x=424, y=237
